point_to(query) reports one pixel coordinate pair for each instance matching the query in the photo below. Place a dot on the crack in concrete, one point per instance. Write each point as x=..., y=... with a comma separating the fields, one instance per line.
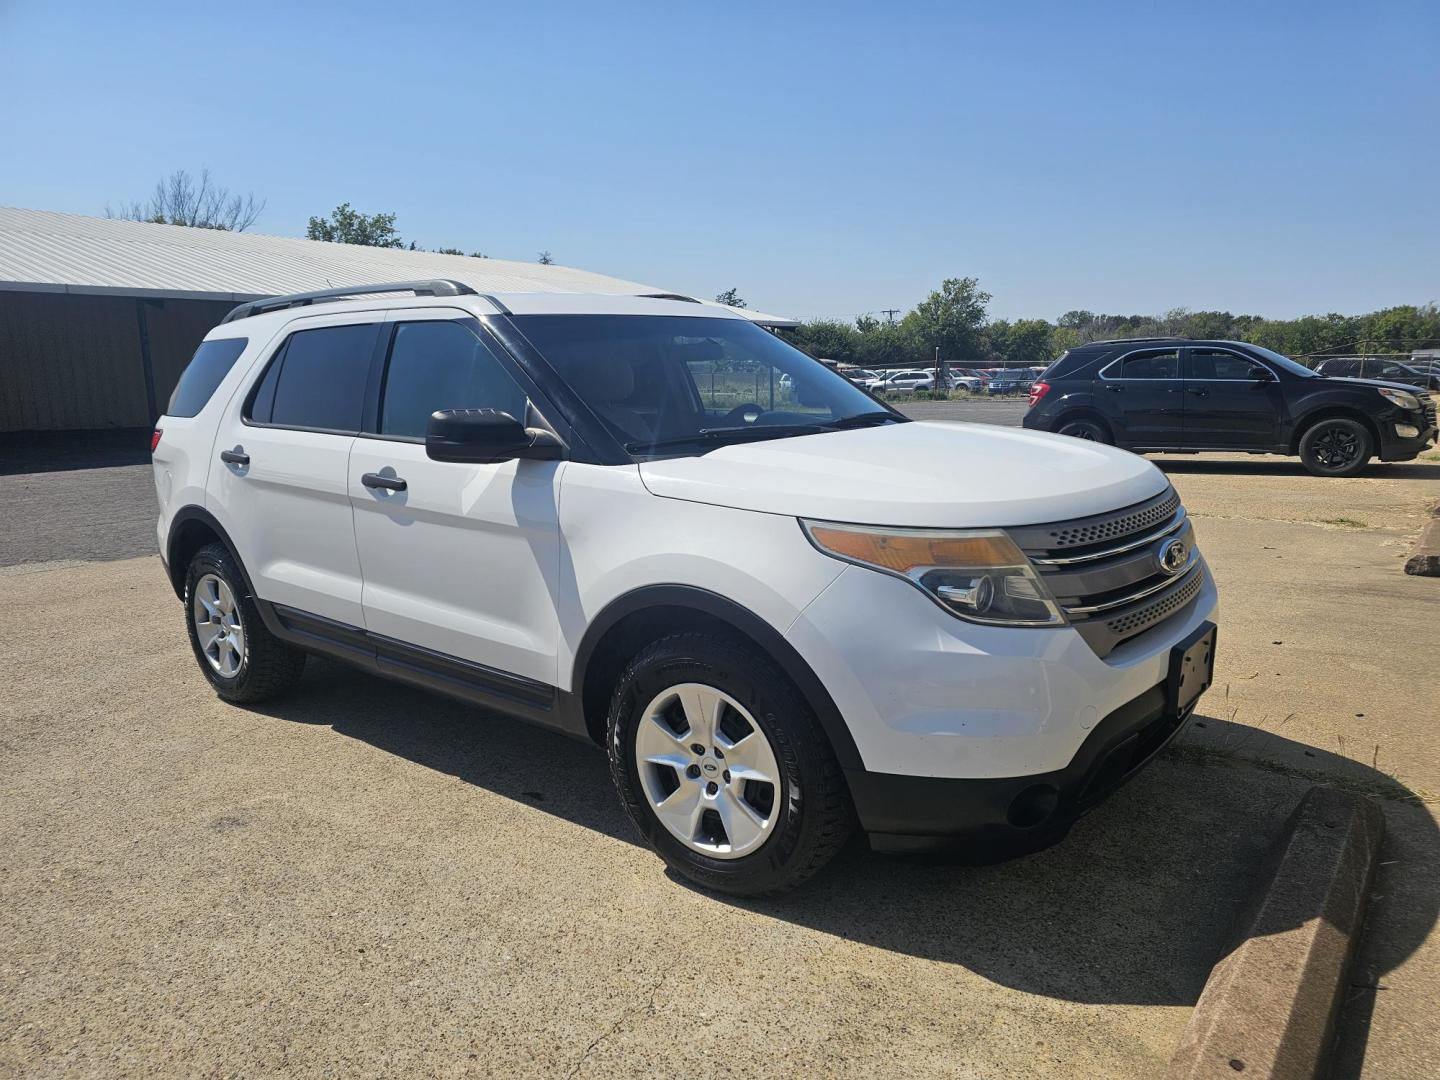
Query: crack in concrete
x=648, y=1006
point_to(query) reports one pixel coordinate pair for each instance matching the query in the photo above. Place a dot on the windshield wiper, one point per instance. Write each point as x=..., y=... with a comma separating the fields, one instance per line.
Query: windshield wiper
x=864, y=419
x=748, y=433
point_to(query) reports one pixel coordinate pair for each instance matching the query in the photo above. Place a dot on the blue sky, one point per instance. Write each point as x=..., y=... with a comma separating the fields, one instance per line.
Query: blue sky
x=825, y=159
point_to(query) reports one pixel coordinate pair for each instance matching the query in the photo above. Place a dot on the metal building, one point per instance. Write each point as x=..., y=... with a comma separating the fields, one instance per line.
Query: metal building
x=98, y=317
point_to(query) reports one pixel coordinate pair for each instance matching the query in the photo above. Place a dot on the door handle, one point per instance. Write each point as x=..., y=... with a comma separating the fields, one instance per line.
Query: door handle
x=1113, y=388
x=389, y=483
x=234, y=457
x=1198, y=391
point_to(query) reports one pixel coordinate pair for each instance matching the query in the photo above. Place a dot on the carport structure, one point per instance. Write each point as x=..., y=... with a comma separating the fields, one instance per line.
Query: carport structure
x=99, y=316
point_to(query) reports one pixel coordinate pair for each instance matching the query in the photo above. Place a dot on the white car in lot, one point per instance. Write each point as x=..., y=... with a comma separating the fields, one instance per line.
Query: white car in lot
x=901, y=382
x=781, y=622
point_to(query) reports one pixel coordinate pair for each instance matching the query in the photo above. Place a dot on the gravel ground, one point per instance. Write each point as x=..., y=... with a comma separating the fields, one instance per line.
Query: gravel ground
x=362, y=879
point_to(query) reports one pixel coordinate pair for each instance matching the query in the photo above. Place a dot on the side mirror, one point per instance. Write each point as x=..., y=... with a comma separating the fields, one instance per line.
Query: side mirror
x=1262, y=375
x=486, y=436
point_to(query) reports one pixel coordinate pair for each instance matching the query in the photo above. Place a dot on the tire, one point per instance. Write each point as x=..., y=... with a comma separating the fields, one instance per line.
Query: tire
x=809, y=816
x=1084, y=428
x=251, y=666
x=1337, y=446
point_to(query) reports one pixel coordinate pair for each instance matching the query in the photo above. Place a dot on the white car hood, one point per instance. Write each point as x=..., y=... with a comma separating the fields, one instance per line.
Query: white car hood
x=951, y=475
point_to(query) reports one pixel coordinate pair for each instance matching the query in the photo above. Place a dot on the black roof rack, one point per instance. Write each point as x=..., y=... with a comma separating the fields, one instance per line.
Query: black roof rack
x=668, y=296
x=435, y=287
x=1128, y=340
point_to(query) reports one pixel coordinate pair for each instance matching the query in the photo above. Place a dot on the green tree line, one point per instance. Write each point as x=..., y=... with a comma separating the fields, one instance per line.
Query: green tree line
x=955, y=320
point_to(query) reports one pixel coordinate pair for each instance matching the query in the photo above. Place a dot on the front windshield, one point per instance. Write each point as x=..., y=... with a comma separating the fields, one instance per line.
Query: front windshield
x=1283, y=361
x=676, y=384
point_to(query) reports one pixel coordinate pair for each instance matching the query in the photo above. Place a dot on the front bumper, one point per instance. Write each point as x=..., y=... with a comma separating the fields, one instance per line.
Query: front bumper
x=1005, y=816
x=955, y=721
x=1397, y=447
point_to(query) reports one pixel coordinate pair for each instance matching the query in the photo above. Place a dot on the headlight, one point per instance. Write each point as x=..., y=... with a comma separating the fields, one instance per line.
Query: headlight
x=1399, y=397
x=977, y=574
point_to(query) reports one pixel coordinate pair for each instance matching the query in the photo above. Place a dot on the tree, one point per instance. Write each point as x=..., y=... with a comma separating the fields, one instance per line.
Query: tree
x=545, y=259
x=457, y=251
x=731, y=298
x=179, y=199
x=951, y=319
x=826, y=339
x=1024, y=342
x=348, y=226
x=884, y=344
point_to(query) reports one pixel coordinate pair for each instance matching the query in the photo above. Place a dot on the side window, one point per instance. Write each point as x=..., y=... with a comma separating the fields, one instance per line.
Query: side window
x=317, y=380
x=207, y=369
x=1161, y=364
x=1214, y=364
x=442, y=365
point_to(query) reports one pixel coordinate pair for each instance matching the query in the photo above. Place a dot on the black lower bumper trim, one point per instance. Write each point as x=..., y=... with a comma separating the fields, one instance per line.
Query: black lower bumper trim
x=1019, y=813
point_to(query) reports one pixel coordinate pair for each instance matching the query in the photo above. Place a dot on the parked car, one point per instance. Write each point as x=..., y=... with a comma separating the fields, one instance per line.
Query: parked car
x=959, y=379
x=778, y=622
x=860, y=376
x=1369, y=367
x=1011, y=381
x=1172, y=394
x=902, y=382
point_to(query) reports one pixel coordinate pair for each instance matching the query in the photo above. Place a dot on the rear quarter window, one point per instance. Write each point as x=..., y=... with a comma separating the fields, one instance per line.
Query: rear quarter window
x=206, y=371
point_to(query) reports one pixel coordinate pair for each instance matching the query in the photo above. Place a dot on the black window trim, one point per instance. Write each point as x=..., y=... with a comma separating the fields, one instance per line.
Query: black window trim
x=1178, y=350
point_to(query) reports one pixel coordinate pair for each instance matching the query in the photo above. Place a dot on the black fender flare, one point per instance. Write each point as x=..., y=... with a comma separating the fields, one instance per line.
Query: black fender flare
x=184, y=516
x=743, y=621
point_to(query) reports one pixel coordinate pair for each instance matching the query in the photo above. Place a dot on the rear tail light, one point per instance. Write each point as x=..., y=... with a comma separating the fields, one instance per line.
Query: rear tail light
x=1038, y=391
x=154, y=439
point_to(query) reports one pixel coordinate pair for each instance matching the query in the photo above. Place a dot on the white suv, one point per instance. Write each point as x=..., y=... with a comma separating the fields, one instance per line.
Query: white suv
x=783, y=612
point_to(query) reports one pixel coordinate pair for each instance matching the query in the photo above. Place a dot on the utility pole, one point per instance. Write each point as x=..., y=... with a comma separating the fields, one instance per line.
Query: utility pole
x=889, y=313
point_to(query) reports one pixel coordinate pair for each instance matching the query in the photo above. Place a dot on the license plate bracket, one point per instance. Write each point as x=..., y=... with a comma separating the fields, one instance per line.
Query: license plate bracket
x=1192, y=669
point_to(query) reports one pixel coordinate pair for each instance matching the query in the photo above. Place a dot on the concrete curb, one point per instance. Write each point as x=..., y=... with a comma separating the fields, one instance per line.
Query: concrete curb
x=1424, y=561
x=1269, y=1006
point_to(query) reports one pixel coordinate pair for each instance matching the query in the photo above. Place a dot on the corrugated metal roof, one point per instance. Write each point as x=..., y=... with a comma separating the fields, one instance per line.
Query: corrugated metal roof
x=45, y=251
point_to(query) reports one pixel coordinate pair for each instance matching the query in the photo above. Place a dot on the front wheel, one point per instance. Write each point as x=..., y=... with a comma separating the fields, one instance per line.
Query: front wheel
x=724, y=768
x=1336, y=447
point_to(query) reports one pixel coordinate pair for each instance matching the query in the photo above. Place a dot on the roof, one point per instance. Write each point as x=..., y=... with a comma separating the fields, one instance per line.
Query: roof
x=44, y=251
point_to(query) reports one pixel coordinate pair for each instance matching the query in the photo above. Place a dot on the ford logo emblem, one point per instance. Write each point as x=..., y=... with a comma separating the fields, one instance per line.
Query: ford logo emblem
x=1172, y=556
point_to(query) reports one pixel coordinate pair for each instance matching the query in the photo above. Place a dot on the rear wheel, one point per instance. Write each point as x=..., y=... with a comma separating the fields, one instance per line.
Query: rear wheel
x=241, y=658
x=1336, y=447
x=723, y=767
x=1083, y=427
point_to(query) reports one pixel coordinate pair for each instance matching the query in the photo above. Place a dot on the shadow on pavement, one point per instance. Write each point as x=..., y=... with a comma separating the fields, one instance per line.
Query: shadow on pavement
x=57, y=451
x=1131, y=908
x=1278, y=466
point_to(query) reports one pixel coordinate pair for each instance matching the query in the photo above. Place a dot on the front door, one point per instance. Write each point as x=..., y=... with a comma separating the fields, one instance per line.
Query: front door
x=1231, y=402
x=462, y=560
x=1141, y=397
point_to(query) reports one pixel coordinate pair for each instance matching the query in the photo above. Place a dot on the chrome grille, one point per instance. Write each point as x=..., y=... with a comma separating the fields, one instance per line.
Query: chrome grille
x=1149, y=615
x=1096, y=530
x=1104, y=570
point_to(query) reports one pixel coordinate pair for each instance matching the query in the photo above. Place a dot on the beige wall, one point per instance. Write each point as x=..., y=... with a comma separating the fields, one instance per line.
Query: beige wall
x=70, y=362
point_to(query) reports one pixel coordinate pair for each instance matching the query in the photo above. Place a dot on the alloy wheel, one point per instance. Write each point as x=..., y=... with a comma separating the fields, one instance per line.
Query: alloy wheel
x=218, y=626
x=708, y=771
x=1336, y=446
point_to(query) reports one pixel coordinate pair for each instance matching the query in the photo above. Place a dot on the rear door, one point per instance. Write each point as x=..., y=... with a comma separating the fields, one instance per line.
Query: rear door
x=1141, y=395
x=1231, y=401
x=279, y=479
x=464, y=559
